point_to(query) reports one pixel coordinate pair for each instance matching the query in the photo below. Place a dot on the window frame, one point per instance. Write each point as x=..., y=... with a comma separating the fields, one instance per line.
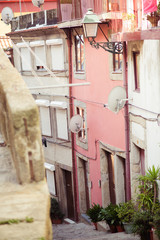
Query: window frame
x=43, y=103
x=50, y=168
x=82, y=132
x=119, y=69
x=83, y=143
x=34, y=45
x=78, y=40
x=136, y=68
x=51, y=44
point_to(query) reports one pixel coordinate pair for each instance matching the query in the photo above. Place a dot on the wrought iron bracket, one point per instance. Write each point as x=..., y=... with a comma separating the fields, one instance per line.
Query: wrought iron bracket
x=112, y=47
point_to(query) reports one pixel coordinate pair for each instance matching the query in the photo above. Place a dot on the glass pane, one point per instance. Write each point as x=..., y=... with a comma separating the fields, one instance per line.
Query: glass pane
x=79, y=53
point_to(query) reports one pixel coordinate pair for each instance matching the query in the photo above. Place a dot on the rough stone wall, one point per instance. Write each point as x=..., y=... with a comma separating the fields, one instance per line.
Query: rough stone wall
x=23, y=188
x=20, y=124
x=7, y=168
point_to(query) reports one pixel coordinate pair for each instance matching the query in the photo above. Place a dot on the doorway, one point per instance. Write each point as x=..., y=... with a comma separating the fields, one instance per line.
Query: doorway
x=83, y=185
x=112, y=177
x=69, y=194
x=110, y=162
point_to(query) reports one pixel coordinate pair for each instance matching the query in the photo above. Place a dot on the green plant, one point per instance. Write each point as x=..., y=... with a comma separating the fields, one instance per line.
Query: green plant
x=148, y=188
x=109, y=214
x=126, y=211
x=55, y=212
x=142, y=224
x=156, y=219
x=128, y=16
x=16, y=221
x=93, y=212
x=29, y=220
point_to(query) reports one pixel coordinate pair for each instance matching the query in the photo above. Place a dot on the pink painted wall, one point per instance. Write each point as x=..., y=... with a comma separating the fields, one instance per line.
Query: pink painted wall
x=103, y=125
x=27, y=6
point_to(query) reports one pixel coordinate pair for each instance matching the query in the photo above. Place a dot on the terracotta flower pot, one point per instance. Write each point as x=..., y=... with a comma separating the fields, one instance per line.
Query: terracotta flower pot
x=113, y=228
x=120, y=228
x=56, y=221
x=95, y=225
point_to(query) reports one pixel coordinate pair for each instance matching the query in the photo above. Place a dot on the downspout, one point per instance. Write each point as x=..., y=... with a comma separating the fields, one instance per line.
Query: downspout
x=71, y=114
x=126, y=118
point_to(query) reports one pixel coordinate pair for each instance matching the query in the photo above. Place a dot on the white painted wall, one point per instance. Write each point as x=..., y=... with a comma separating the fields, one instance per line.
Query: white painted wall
x=146, y=103
x=153, y=144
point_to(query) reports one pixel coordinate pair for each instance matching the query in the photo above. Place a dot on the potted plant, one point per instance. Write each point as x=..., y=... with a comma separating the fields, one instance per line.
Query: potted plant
x=109, y=214
x=148, y=204
x=156, y=220
x=142, y=224
x=94, y=213
x=129, y=23
x=55, y=213
x=125, y=212
x=148, y=187
x=154, y=17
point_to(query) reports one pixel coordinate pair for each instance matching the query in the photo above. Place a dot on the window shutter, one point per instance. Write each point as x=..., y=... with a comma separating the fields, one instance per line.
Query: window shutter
x=40, y=53
x=57, y=57
x=50, y=177
x=44, y=116
x=26, y=59
x=45, y=121
x=62, y=128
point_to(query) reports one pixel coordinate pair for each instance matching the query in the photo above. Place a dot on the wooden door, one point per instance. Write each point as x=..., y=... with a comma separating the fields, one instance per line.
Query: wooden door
x=110, y=161
x=69, y=194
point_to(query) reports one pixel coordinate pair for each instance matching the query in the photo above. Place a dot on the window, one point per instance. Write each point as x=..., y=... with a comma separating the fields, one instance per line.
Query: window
x=23, y=62
x=82, y=133
x=116, y=5
x=82, y=137
x=40, y=55
x=136, y=62
x=79, y=53
x=59, y=115
x=50, y=175
x=44, y=116
x=53, y=119
x=26, y=59
x=113, y=5
x=117, y=62
x=57, y=54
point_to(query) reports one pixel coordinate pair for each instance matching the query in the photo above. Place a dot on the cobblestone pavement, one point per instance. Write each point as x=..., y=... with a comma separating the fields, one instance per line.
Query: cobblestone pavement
x=83, y=231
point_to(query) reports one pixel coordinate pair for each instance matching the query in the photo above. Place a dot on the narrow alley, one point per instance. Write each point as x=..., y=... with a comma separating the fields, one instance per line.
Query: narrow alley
x=84, y=231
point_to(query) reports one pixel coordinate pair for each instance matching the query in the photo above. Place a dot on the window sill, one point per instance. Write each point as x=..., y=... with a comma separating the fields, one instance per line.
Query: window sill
x=137, y=90
x=79, y=72
x=80, y=75
x=82, y=140
x=116, y=72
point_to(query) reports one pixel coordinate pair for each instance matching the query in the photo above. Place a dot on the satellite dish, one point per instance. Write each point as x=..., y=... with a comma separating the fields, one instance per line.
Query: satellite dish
x=38, y=3
x=117, y=99
x=76, y=123
x=7, y=15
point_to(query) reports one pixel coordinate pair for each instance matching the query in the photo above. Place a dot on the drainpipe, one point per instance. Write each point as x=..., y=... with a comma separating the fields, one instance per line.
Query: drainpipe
x=126, y=117
x=71, y=114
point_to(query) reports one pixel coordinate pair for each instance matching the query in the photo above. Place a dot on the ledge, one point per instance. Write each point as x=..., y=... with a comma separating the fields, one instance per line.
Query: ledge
x=150, y=34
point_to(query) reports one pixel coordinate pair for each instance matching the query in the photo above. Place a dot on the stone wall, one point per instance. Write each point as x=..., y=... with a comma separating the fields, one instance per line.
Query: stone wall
x=20, y=124
x=23, y=189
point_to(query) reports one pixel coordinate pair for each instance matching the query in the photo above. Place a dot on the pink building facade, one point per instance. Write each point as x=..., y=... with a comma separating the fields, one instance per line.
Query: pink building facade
x=99, y=148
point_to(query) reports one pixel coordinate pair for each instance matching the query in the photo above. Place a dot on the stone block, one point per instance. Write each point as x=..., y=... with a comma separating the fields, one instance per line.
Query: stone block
x=20, y=124
x=18, y=202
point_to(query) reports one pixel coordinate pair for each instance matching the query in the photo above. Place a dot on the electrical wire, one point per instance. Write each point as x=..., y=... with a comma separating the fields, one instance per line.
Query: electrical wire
x=91, y=158
x=148, y=119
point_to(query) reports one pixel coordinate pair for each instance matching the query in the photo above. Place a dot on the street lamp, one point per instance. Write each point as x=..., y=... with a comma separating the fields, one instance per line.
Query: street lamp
x=90, y=26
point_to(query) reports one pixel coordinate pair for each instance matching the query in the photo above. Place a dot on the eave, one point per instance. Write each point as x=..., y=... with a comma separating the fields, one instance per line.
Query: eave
x=150, y=34
x=34, y=31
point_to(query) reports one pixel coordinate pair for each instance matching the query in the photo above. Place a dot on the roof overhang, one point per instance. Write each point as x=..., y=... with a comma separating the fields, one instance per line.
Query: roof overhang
x=70, y=24
x=150, y=34
x=36, y=31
